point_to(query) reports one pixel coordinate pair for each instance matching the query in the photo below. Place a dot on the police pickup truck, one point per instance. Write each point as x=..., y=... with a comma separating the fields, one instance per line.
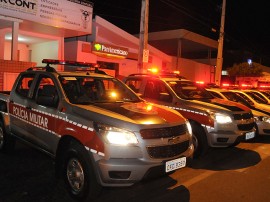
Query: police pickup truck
x=214, y=122
x=99, y=132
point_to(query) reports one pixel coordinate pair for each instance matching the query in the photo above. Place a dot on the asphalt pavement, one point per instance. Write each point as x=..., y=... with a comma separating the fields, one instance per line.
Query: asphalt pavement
x=227, y=174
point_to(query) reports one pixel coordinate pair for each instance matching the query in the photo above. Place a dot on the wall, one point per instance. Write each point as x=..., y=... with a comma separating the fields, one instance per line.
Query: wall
x=8, y=66
x=190, y=69
x=75, y=52
x=46, y=50
x=79, y=51
x=8, y=80
x=23, y=49
x=193, y=70
x=127, y=67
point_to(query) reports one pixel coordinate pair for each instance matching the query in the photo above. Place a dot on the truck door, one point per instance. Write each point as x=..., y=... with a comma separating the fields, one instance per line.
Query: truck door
x=18, y=105
x=43, y=111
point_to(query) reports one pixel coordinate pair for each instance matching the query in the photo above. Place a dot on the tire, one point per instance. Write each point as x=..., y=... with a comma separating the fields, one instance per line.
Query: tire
x=199, y=140
x=7, y=143
x=256, y=132
x=79, y=175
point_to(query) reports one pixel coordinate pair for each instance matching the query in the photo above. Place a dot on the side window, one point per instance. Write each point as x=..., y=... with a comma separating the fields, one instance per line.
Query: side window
x=24, y=84
x=246, y=98
x=157, y=90
x=164, y=94
x=134, y=84
x=261, y=96
x=46, y=92
x=151, y=90
x=215, y=94
x=257, y=98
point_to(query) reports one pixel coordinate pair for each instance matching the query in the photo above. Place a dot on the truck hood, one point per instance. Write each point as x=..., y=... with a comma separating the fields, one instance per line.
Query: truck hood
x=137, y=113
x=220, y=105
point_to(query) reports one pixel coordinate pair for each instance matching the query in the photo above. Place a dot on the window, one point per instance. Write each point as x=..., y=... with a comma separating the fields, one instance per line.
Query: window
x=189, y=90
x=158, y=91
x=257, y=98
x=89, y=90
x=134, y=84
x=246, y=98
x=24, y=84
x=216, y=94
x=46, y=92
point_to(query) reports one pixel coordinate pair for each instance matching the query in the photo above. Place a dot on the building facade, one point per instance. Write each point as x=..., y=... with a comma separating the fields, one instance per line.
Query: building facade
x=28, y=40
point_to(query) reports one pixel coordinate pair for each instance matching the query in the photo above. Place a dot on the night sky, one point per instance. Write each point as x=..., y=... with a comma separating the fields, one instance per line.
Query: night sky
x=246, y=22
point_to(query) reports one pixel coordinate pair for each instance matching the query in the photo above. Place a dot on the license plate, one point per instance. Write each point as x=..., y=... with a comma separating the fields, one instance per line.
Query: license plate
x=175, y=164
x=250, y=135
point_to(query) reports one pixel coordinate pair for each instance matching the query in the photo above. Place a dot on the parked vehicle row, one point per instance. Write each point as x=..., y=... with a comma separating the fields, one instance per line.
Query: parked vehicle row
x=214, y=122
x=104, y=132
x=262, y=117
x=99, y=132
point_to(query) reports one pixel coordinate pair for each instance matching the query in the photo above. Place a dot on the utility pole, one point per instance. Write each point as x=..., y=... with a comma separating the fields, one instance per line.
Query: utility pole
x=220, y=46
x=143, y=51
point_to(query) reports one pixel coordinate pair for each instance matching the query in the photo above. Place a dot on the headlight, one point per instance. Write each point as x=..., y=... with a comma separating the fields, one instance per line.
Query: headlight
x=258, y=118
x=117, y=136
x=265, y=119
x=189, y=127
x=222, y=118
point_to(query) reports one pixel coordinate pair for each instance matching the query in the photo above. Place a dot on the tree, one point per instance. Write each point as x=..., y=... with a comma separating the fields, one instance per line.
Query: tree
x=245, y=69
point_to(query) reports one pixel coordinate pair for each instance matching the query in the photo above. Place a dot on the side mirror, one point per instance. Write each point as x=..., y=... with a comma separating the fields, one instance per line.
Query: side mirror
x=139, y=94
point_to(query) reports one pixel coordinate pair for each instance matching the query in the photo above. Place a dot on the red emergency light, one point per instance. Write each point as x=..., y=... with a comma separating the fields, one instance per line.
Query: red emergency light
x=264, y=86
x=200, y=82
x=153, y=70
x=246, y=85
x=228, y=85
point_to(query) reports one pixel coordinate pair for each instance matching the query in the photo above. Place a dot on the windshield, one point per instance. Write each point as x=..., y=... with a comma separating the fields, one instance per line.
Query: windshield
x=267, y=94
x=246, y=98
x=189, y=90
x=237, y=98
x=257, y=98
x=88, y=90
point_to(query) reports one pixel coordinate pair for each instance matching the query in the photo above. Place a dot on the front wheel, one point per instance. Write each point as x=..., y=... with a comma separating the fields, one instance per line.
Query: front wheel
x=199, y=140
x=7, y=143
x=79, y=174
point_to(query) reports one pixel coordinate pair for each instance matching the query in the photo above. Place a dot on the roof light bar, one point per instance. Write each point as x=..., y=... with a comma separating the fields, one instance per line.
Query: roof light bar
x=65, y=62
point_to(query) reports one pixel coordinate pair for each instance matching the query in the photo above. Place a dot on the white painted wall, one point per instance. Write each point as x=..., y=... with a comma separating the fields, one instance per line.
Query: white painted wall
x=193, y=70
x=46, y=50
x=73, y=52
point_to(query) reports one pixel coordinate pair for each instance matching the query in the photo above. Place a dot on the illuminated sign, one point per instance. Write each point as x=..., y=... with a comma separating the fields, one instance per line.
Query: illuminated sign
x=109, y=50
x=69, y=14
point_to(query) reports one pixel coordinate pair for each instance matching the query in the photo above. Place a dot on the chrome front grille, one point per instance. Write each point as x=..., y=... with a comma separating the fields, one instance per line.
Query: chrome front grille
x=245, y=127
x=167, y=132
x=168, y=151
x=243, y=116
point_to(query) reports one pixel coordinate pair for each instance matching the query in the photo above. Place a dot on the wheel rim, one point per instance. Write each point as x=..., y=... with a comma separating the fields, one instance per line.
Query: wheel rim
x=75, y=174
x=1, y=138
